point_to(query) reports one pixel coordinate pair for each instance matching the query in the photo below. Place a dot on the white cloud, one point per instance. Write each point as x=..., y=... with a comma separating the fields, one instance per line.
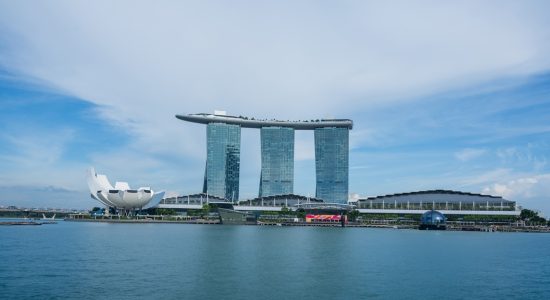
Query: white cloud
x=540, y=164
x=532, y=154
x=144, y=62
x=36, y=158
x=45, y=196
x=521, y=188
x=154, y=60
x=37, y=148
x=469, y=154
x=507, y=153
x=487, y=177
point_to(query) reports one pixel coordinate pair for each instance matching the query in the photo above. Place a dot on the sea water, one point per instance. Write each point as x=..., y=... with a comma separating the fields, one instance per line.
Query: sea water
x=72, y=260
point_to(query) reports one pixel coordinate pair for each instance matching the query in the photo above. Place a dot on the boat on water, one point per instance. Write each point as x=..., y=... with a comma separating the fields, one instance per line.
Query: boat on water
x=24, y=221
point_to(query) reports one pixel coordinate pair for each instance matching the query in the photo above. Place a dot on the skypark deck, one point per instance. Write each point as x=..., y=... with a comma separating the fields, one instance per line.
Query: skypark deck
x=245, y=122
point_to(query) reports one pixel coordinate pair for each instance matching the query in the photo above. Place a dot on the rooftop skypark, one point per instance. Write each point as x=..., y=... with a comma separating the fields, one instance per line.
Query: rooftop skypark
x=246, y=122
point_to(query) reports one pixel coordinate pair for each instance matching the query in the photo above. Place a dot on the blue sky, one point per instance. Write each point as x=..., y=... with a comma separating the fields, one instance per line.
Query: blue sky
x=443, y=95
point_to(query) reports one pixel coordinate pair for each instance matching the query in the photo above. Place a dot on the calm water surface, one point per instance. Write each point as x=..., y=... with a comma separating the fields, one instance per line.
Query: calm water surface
x=173, y=261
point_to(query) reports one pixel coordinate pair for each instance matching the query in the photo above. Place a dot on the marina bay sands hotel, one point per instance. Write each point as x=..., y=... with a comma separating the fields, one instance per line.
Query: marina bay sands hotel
x=223, y=144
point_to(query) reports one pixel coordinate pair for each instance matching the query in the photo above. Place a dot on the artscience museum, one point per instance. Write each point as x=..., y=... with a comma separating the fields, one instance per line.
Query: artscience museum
x=121, y=196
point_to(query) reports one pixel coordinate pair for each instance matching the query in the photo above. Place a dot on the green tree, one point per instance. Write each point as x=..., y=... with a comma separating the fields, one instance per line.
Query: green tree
x=206, y=209
x=532, y=217
x=527, y=214
x=301, y=213
x=285, y=210
x=164, y=211
x=352, y=215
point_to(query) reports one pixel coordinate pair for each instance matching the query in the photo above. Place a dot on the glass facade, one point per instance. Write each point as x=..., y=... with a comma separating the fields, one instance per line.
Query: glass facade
x=277, y=175
x=223, y=147
x=332, y=164
x=433, y=217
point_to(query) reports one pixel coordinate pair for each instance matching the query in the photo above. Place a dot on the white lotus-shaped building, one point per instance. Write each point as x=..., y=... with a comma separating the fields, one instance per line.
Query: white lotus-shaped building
x=121, y=196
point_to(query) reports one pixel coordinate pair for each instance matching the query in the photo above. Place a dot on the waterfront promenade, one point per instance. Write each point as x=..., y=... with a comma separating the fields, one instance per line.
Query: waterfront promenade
x=451, y=227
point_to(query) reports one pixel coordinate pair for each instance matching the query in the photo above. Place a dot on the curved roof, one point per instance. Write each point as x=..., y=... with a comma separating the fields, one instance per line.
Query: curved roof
x=245, y=122
x=431, y=192
x=437, y=196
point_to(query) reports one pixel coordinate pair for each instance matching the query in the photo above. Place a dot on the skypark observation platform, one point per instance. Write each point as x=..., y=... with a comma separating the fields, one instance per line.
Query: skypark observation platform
x=245, y=122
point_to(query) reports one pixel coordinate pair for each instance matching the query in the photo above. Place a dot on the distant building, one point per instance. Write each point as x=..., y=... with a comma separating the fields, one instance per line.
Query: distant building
x=288, y=200
x=194, y=199
x=277, y=175
x=221, y=177
x=448, y=202
x=121, y=196
x=332, y=164
x=223, y=153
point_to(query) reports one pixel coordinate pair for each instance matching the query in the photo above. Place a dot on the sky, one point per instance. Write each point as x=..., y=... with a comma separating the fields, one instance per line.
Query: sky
x=443, y=94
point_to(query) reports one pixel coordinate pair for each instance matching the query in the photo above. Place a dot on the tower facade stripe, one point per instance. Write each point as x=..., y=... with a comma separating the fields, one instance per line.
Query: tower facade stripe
x=332, y=164
x=223, y=152
x=277, y=175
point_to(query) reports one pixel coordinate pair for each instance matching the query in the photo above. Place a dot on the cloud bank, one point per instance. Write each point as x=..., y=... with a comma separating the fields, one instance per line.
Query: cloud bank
x=139, y=63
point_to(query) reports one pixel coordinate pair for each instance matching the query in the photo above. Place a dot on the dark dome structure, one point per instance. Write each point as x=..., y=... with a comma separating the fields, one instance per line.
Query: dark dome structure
x=433, y=220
